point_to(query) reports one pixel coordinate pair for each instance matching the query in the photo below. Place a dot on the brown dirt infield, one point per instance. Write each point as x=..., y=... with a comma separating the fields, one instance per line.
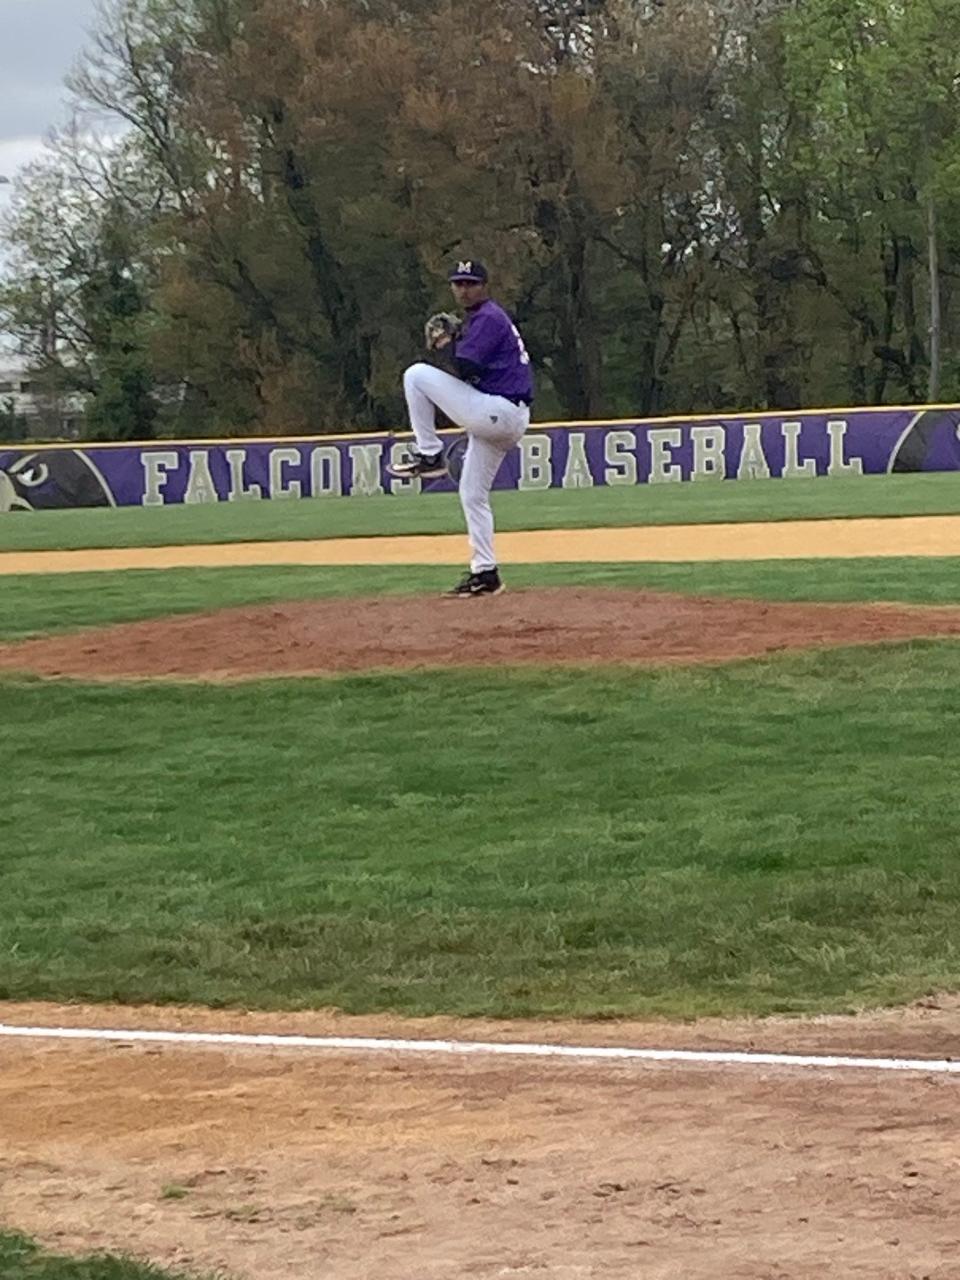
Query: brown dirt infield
x=298, y=1165
x=560, y=626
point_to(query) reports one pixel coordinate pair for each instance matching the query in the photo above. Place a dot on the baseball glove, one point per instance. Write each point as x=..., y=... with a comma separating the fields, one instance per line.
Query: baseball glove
x=440, y=330
x=453, y=457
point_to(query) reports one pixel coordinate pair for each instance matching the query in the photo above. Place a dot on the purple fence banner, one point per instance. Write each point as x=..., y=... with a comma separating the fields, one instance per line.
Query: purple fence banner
x=791, y=446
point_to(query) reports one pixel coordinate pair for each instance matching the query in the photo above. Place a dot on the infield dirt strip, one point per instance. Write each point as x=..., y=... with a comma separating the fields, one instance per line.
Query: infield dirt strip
x=301, y=1166
x=773, y=540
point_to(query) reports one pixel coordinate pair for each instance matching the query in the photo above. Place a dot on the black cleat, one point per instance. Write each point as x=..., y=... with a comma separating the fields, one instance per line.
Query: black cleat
x=485, y=583
x=422, y=465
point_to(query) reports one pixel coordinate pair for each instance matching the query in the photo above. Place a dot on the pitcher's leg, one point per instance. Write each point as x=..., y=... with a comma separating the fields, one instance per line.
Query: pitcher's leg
x=422, y=411
x=480, y=467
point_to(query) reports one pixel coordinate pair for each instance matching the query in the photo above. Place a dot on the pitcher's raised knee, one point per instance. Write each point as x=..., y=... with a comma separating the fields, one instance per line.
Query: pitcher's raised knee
x=412, y=373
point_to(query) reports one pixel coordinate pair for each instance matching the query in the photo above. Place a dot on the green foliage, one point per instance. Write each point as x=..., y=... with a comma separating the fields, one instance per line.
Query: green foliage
x=12, y=425
x=689, y=207
x=878, y=88
x=114, y=306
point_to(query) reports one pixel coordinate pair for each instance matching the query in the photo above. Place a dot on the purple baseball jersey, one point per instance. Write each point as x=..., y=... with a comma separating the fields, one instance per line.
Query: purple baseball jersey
x=492, y=341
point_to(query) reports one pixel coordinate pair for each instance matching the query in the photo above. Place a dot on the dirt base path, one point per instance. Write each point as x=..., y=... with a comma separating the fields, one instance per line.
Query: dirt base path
x=336, y=1166
x=774, y=540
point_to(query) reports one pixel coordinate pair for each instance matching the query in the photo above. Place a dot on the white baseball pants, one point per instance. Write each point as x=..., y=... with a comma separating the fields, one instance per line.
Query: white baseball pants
x=494, y=426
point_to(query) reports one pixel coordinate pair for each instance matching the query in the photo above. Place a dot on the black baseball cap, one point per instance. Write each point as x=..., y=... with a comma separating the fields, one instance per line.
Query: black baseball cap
x=469, y=269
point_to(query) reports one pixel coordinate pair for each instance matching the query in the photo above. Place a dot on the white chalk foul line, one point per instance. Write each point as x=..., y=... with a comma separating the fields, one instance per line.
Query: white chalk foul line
x=478, y=1048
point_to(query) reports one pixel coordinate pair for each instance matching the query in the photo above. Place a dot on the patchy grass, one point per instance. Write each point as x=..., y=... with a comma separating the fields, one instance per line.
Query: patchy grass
x=22, y=1259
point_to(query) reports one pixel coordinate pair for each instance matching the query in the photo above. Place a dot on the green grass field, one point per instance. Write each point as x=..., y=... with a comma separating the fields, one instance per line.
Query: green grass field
x=775, y=835
x=440, y=513
x=22, y=1259
x=765, y=836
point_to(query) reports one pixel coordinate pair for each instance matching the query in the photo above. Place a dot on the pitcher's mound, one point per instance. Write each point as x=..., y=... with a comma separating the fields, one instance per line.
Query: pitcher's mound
x=566, y=626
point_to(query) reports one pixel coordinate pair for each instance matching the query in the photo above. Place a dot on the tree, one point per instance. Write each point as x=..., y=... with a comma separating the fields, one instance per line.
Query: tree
x=79, y=299
x=688, y=205
x=114, y=301
x=879, y=82
x=13, y=426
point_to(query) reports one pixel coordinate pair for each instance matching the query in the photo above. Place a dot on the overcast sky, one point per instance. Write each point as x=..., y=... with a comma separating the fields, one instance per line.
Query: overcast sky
x=39, y=40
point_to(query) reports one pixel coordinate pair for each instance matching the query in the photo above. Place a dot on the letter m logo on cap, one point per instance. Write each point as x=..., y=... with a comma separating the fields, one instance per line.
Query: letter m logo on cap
x=469, y=269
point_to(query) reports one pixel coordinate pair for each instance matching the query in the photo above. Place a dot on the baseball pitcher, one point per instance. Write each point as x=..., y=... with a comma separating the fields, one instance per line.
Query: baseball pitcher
x=488, y=392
